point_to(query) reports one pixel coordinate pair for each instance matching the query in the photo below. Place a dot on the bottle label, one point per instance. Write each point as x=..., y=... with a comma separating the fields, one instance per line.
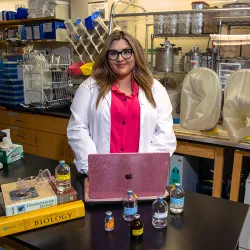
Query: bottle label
x=161, y=215
x=177, y=202
x=130, y=210
x=137, y=232
x=110, y=224
x=63, y=177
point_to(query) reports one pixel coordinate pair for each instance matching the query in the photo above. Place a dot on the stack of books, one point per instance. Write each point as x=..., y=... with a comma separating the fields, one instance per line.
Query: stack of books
x=37, y=208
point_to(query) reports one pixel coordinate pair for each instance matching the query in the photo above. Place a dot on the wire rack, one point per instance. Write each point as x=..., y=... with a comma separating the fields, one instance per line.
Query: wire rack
x=88, y=42
x=46, y=81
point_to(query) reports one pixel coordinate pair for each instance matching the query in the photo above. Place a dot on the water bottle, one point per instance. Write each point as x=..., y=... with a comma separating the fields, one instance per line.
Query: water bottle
x=63, y=177
x=130, y=207
x=160, y=213
x=177, y=196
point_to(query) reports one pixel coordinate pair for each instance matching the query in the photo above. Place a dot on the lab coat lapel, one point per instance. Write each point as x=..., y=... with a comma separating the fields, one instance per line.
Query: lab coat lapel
x=142, y=100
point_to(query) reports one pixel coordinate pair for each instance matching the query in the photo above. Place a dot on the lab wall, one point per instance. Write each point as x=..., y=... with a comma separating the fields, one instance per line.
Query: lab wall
x=10, y=4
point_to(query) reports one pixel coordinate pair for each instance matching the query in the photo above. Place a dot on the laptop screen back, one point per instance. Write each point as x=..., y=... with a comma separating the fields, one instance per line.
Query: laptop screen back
x=111, y=175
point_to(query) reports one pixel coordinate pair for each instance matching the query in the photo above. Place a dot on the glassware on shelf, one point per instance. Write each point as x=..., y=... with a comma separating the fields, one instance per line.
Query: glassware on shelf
x=171, y=24
x=184, y=23
x=197, y=23
x=158, y=24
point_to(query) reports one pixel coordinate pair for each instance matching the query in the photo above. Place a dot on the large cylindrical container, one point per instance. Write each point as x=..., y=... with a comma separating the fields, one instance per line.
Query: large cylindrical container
x=164, y=59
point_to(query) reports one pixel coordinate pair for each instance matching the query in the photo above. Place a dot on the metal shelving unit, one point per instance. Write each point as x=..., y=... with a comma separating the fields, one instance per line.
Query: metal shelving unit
x=184, y=36
x=231, y=18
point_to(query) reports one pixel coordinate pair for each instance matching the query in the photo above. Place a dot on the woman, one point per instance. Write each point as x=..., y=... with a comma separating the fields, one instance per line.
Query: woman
x=120, y=108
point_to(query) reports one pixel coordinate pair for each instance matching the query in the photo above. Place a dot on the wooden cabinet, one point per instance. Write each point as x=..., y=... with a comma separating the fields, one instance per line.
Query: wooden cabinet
x=4, y=126
x=29, y=149
x=51, y=124
x=70, y=155
x=23, y=135
x=4, y=118
x=51, y=145
x=22, y=120
x=41, y=135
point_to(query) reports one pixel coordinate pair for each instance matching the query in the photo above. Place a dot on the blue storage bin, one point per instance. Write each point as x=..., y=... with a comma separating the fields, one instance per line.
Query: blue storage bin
x=10, y=15
x=10, y=71
x=22, y=32
x=19, y=99
x=10, y=64
x=1, y=65
x=49, y=29
x=12, y=104
x=10, y=76
x=13, y=88
x=14, y=82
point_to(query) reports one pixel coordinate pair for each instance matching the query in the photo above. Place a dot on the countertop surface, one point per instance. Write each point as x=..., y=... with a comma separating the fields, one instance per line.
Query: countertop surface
x=207, y=223
x=63, y=112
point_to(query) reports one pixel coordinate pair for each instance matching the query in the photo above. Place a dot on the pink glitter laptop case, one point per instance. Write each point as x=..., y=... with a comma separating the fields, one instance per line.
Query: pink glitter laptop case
x=111, y=175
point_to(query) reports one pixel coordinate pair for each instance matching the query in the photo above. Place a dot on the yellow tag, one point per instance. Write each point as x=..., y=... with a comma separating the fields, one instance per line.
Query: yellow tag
x=63, y=177
x=213, y=132
x=137, y=232
x=110, y=224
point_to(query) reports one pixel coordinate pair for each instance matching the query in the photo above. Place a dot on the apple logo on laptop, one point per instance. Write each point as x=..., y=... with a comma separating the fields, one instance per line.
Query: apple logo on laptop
x=129, y=176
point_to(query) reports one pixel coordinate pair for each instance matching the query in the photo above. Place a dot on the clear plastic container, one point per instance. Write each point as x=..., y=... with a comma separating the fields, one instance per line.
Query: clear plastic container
x=158, y=25
x=197, y=23
x=170, y=24
x=184, y=23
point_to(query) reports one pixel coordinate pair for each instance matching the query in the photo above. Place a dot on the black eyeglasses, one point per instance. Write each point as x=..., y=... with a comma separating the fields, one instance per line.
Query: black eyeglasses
x=114, y=54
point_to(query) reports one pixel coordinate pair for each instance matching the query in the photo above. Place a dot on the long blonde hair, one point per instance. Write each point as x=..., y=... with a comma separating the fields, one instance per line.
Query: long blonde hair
x=104, y=76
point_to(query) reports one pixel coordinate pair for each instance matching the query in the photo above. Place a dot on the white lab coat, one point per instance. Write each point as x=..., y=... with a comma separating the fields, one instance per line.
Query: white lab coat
x=89, y=128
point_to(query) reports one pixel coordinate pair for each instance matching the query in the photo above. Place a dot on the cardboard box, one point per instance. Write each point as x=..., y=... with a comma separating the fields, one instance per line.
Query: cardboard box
x=245, y=50
x=12, y=154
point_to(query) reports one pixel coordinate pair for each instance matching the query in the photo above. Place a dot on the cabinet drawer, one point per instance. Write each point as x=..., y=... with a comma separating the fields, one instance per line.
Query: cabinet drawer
x=22, y=120
x=29, y=149
x=51, y=146
x=70, y=155
x=4, y=126
x=4, y=118
x=23, y=135
x=51, y=124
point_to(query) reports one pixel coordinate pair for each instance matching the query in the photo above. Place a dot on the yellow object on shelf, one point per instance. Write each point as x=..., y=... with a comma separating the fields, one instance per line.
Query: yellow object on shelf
x=41, y=218
x=87, y=68
x=247, y=138
x=213, y=132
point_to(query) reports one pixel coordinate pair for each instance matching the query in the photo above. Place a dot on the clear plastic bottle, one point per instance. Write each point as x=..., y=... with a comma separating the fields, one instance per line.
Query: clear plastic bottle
x=160, y=213
x=109, y=222
x=63, y=177
x=130, y=207
x=177, y=196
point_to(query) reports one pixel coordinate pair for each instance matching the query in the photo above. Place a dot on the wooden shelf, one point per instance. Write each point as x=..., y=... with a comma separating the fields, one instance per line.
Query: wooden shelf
x=27, y=21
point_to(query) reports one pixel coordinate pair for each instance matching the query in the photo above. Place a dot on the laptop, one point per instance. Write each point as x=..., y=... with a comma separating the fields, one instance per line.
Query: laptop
x=111, y=175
